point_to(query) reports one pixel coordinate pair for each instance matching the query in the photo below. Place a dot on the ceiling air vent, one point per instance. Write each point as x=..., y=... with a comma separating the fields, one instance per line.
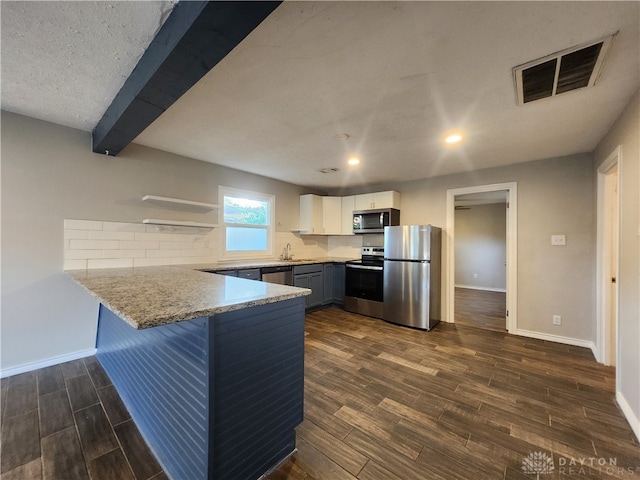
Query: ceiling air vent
x=560, y=72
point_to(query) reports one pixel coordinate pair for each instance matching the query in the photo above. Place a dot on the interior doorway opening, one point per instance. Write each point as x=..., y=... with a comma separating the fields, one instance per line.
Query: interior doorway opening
x=480, y=253
x=501, y=281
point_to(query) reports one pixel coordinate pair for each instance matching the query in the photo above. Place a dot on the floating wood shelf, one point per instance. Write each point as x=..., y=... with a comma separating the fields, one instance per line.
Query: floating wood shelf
x=179, y=202
x=178, y=223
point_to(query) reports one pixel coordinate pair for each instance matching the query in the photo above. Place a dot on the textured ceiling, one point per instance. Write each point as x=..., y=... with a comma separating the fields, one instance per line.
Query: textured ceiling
x=394, y=76
x=65, y=61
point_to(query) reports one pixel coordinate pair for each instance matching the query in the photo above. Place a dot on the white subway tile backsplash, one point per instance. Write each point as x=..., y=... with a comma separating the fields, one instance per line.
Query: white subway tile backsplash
x=124, y=227
x=138, y=244
x=125, y=253
x=151, y=262
x=76, y=234
x=201, y=252
x=93, y=244
x=110, y=263
x=98, y=244
x=83, y=254
x=176, y=245
x=162, y=253
x=74, y=264
x=82, y=225
x=150, y=236
x=102, y=235
x=189, y=260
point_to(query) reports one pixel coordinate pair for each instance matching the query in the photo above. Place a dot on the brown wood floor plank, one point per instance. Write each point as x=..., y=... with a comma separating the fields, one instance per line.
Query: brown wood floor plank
x=62, y=456
x=96, y=434
x=110, y=466
x=50, y=379
x=20, y=440
x=336, y=450
x=28, y=471
x=142, y=461
x=55, y=412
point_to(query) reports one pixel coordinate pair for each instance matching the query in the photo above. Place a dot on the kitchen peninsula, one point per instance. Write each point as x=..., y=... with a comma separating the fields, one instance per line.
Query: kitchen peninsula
x=210, y=366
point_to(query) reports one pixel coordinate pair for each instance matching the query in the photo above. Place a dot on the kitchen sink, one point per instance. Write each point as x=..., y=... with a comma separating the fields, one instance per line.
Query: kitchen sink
x=300, y=260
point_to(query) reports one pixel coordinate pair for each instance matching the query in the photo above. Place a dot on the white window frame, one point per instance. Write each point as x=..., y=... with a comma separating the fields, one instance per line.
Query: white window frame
x=224, y=254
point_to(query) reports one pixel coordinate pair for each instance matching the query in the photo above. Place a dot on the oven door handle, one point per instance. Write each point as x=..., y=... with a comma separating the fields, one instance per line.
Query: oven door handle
x=363, y=267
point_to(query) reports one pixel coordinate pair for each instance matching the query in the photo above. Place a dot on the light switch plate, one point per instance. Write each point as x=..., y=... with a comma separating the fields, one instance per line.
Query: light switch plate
x=558, y=240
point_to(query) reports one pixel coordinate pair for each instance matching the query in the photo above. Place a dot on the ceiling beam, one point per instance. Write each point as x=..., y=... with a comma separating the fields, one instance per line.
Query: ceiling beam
x=193, y=39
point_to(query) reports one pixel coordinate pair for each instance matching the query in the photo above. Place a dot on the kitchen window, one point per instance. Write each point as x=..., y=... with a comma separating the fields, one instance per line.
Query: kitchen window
x=247, y=223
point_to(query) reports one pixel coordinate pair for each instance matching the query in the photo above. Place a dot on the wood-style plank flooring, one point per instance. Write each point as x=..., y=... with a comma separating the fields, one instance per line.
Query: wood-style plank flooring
x=67, y=422
x=389, y=402
x=381, y=402
x=481, y=308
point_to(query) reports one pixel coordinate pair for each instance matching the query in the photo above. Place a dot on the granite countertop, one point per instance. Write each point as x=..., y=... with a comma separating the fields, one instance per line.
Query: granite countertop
x=152, y=296
x=264, y=263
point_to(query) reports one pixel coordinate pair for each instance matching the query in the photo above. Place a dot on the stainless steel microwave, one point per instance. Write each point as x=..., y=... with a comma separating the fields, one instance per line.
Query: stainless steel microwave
x=374, y=221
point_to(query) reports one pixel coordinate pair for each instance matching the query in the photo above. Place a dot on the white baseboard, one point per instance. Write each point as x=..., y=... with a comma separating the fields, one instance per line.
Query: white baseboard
x=576, y=342
x=630, y=415
x=8, y=372
x=487, y=289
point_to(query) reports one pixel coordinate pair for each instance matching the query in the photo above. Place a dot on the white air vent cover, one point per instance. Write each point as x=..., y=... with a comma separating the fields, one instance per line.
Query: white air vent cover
x=561, y=72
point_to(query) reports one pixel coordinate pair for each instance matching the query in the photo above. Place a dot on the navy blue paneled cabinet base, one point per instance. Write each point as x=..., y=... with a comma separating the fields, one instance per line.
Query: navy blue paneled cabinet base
x=217, y=397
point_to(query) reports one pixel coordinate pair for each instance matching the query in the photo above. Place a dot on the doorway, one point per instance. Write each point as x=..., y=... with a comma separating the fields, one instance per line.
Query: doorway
x=607, y=260
x=506, y=193
x=480, y=252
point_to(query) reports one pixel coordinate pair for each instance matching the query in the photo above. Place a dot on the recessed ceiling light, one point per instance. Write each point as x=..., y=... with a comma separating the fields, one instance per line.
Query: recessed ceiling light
x=353, y=161
x=453, y=138
x=341, y=136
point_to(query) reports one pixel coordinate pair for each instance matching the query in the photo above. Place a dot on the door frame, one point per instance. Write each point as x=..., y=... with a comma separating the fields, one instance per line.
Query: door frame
x=512, y=249
x=603, y=260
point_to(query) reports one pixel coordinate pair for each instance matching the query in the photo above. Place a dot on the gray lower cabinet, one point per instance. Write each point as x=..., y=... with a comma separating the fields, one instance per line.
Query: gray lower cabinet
x=228, y=273
x=312, y=277
x=338, y=283
x=329, y=269
x=250, y=274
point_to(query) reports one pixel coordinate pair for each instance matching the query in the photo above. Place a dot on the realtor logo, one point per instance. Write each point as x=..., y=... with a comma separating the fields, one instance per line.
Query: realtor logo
x=538, y=463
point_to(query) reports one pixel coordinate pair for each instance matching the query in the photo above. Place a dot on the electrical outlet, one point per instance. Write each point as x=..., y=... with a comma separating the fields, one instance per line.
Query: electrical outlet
x=558, y=240
x=557, y=320
x=475, y=275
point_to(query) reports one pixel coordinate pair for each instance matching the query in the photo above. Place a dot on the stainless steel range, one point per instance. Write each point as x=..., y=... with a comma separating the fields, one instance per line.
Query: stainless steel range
x=364, y=283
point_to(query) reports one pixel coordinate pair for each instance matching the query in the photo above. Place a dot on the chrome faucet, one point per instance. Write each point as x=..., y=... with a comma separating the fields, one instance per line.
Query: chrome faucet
x=286, y=253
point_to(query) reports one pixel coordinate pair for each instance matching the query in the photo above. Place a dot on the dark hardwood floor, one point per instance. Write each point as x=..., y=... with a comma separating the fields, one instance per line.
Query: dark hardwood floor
x=381, y=402
x=388, y=402
x=67, y=422
x=481, y=308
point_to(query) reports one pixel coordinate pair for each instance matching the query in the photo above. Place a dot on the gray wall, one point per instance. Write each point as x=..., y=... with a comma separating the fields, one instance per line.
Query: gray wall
x=626, y=132
x=555, y=196
x=481, y=247
x=49, y=174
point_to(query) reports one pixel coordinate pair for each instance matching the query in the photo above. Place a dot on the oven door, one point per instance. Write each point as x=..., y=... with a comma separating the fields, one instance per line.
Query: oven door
x=364, y=281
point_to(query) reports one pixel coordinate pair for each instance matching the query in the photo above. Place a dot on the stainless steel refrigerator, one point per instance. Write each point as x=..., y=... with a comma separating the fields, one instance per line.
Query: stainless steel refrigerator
x=412, y=258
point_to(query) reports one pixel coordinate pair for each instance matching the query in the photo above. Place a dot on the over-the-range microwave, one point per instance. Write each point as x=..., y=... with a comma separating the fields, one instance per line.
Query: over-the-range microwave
x=374, y=221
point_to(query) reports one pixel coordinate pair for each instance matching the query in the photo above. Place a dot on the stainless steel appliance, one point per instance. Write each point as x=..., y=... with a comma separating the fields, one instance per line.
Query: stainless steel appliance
x=374, y=221
x=363, y=283
x=412, y=275
x=282, y=275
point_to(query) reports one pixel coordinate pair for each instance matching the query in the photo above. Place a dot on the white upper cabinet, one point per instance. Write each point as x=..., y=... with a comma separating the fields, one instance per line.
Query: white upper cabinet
x=348, y=206
x=332, y=215
x=311, y=214
x=376, y=200
x=323, y=215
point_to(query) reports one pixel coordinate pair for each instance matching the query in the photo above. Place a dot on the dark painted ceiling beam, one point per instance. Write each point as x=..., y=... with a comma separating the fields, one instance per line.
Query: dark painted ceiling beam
x=195, y=37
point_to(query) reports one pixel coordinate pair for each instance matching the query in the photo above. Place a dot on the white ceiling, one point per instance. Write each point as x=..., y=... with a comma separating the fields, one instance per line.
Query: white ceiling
x=394, y=76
